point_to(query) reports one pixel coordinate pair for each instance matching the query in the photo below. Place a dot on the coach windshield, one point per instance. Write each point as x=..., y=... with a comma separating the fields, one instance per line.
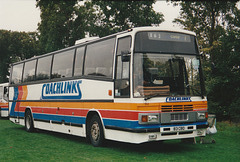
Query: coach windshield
x=166, y=64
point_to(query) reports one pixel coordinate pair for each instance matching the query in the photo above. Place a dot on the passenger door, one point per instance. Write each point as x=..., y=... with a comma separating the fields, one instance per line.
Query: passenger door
x=122, y=75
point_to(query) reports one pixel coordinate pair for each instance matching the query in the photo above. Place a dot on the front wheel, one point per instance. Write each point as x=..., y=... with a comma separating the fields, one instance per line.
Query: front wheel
x=96, y=131
x=29, y=121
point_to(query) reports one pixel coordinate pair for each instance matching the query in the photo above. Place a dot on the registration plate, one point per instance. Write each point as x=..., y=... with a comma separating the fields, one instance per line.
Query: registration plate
x=180, y=128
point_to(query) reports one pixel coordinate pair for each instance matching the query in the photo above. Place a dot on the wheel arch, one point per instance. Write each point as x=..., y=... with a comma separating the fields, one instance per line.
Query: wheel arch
x=29, y=121
x=89, y=115
x=28, y=109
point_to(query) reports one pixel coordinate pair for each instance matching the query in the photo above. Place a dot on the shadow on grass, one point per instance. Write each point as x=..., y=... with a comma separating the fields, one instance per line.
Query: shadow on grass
x=159, y=147
x=4, y=118
x=61, y=135
x=169, y=146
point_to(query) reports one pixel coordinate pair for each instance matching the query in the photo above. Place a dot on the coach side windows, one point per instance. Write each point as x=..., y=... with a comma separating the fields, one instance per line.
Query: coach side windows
x=17, y=73
x=43, y=68
x=99, y=58
x=62, y=64
x=29, y=71
x=79, y=61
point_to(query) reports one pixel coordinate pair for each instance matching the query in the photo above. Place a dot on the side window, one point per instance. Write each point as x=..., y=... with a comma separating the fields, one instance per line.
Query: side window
x=43, y=68
x=78, y=68
x=29, y=71
x=99, y=58
x=5, y=95
x=63, y=64
x=122, y=82
x=1, y=93
x=17, y=73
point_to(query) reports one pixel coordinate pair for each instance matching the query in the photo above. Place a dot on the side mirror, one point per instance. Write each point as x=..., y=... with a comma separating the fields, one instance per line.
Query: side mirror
x=125, y=56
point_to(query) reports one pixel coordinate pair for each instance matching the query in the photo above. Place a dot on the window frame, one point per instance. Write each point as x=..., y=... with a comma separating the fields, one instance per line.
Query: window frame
x=83, y=60
x=105, y=78
x=24, y=70
x=129, y=65
x=37, y=68
x=12, y=70
x=64, y=53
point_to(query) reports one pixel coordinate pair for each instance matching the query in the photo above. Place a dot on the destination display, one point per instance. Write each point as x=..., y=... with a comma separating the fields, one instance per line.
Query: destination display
x=169, y=36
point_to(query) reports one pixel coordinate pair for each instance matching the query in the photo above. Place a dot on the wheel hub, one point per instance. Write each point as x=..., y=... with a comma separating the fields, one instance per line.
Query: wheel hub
x=95, y=132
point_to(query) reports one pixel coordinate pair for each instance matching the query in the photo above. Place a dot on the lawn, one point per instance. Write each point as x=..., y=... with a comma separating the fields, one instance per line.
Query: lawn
x=18, y=145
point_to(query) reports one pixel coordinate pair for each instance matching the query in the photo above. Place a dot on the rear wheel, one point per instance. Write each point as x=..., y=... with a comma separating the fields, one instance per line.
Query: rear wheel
x=96, y=135
x=29, y=121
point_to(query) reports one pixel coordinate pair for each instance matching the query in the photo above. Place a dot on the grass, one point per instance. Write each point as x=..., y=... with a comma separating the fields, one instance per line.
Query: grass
x=18, y=145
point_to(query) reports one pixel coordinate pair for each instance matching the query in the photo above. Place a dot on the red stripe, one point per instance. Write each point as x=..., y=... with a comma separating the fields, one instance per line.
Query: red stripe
x=124, y=115
x=112, y=114
x=127, y=115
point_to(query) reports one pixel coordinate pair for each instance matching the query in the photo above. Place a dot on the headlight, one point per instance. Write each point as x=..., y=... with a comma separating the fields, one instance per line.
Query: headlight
x=202, y=115
x=148, y=118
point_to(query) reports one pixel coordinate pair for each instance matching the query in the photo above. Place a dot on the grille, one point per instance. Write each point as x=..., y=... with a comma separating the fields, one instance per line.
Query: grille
x=179, y=117
x=175, y=108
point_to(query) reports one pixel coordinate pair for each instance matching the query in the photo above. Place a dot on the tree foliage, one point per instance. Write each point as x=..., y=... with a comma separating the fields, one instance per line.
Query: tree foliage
x=63, y=22
x=224, y=84
x=16, y=46
x=56, y=26
x=217, y=26
x=208, y=19
x=116, y=16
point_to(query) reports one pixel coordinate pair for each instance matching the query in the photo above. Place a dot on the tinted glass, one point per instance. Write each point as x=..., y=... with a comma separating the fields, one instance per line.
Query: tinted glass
x=63, y=64
x=124, y=44
x=43, y=68
x=99, y=58
x=166, y=75
x=1, y=93
x=17, y=73
x=79, y=61
x=122, y=86
x=29, y=71
x=165, y=42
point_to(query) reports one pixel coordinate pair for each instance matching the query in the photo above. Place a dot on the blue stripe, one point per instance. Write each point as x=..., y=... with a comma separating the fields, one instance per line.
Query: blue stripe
x=136, y=125
x=4, y=109
x=15, y=97
x=107, y=122
x=60, y=118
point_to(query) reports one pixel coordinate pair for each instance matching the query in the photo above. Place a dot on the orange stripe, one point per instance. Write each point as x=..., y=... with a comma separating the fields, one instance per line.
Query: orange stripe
x=3, y=104
x=25, y=92
x=198, y=105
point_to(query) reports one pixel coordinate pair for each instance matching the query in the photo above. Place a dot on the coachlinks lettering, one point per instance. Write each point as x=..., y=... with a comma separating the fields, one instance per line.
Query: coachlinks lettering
x=178, y=99
x=62, y=90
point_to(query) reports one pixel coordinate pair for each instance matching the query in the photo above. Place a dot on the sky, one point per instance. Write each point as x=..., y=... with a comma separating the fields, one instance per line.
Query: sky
x=22, y=15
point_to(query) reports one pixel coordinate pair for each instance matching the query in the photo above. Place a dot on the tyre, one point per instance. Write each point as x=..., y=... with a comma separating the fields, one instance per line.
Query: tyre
x=95, y=131
x=29, y=127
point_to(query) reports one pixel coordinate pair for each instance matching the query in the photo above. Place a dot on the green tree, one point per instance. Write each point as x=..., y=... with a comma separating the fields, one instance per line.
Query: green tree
x=4, y=55
x=64, y=22
x=116, y=16
x=208, y=19
x=57, y=21
x=224, y=84
x=16, y=46
x=215, y=23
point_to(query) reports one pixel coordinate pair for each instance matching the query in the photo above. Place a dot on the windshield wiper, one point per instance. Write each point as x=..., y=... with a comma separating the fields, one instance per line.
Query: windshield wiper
x=193, y=89
x=151, y=96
